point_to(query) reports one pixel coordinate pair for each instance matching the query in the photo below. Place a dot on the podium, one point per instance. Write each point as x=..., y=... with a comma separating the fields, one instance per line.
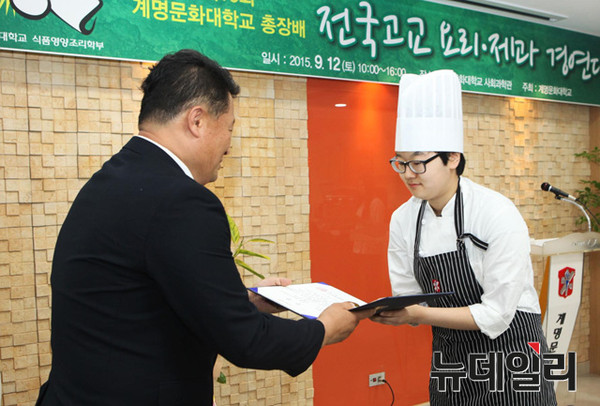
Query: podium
x=562, y=284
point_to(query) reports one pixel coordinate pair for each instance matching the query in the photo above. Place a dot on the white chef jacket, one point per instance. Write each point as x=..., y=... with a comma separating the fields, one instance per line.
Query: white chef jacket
x=504, y=271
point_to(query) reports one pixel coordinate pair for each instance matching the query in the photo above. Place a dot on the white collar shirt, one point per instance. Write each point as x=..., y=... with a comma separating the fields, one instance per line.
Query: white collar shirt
x=178, y=161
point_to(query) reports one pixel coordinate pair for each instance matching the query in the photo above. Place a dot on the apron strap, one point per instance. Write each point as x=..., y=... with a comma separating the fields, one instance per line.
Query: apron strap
x=418, y=236
x=476, y=241
x=459, y=224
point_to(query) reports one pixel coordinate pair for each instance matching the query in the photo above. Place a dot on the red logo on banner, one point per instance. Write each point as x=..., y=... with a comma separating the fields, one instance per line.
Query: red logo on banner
x=565, y=281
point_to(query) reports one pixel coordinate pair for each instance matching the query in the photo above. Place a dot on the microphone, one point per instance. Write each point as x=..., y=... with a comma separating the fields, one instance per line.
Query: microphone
x=557, y=192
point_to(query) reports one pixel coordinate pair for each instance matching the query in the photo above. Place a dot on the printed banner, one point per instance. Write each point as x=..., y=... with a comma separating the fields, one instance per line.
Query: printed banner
x=374, y=40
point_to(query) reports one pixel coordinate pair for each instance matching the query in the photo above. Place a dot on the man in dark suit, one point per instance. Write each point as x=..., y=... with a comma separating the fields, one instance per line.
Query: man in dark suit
x=145, y=290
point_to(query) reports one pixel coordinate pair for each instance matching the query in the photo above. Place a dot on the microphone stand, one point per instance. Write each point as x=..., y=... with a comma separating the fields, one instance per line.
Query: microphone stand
x=582, y=208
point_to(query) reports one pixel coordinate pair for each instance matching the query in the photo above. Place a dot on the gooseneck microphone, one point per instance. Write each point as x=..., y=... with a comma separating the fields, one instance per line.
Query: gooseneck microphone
x=557, y=192
x=560, y=195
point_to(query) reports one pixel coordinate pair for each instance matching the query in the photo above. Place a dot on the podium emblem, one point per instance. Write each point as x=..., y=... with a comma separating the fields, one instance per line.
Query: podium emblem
x=565, y=281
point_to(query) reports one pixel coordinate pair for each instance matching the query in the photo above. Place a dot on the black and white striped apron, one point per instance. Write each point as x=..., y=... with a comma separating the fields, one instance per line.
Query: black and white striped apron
x=451, y=271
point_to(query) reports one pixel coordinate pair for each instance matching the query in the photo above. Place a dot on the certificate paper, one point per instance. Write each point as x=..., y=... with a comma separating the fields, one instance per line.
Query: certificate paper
x=307, y=299
x=310, y=299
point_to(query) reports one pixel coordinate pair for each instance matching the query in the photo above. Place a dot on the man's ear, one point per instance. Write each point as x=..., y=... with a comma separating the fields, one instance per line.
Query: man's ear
x=195, y=119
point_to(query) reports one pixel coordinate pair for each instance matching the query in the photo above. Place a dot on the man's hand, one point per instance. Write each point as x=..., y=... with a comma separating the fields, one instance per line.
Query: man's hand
x=265, y=305
x=339, y=322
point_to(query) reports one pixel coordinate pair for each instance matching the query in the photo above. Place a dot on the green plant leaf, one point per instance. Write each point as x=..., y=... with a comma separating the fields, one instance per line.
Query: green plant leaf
x=233, y=228
x=593, y=156
x=239, y=247
x=247, y=267
x=260, y=240
x=253, y=254
x=239, y=242
x=222, y=378
x=590, y=195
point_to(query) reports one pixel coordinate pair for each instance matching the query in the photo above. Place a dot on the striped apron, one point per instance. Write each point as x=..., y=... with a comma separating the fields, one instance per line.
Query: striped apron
x=490, y=382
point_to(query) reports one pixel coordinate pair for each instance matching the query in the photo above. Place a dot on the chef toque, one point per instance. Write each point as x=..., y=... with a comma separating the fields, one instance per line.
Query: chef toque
x=429, y=113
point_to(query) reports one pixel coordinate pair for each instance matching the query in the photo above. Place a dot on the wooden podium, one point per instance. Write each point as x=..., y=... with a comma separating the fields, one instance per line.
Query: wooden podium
x=560, y=296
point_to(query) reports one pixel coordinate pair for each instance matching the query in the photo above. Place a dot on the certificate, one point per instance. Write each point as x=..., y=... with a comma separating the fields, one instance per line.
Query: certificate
x=310, y=299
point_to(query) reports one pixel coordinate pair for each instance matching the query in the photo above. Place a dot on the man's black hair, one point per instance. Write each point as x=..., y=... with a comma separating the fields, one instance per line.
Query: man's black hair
x=181, y=80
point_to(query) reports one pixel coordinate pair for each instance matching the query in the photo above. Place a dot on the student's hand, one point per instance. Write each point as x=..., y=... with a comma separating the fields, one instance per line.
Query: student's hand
x=458, y=318
x=265, y=305
x=408, y=315
x=339, y=322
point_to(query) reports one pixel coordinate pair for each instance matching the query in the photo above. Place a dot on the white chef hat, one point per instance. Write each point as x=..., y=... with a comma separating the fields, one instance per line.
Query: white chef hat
x=430, y=113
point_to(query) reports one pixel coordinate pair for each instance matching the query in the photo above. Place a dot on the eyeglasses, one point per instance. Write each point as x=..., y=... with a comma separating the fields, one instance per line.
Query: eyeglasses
x=418, y=167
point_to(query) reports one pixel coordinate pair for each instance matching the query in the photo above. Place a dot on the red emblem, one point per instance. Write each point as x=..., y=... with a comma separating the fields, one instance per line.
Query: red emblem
x=535, y=346
x=436, y=286
x=565, y=281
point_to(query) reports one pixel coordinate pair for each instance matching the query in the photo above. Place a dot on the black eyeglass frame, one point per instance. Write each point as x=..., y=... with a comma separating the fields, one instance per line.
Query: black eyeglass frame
x=395, y=162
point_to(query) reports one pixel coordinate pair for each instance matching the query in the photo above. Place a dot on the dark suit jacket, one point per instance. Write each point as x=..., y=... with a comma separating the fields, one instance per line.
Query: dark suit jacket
x=145, y=293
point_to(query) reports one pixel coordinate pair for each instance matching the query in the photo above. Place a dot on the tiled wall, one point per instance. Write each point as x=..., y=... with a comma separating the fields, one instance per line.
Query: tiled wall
x=62, y=117
x=264, y=186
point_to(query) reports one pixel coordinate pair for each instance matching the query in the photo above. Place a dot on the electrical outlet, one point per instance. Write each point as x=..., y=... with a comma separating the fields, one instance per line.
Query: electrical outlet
x=376, y=379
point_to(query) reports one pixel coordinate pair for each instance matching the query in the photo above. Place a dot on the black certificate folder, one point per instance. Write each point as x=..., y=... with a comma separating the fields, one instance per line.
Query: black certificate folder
x=310, y=299
x=400, y=302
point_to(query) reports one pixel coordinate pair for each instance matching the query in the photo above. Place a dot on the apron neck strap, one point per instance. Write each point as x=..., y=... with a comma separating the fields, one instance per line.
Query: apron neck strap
x=459, y=223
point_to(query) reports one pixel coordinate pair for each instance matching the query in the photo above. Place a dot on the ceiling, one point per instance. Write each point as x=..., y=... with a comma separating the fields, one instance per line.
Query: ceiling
x=579, y=15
